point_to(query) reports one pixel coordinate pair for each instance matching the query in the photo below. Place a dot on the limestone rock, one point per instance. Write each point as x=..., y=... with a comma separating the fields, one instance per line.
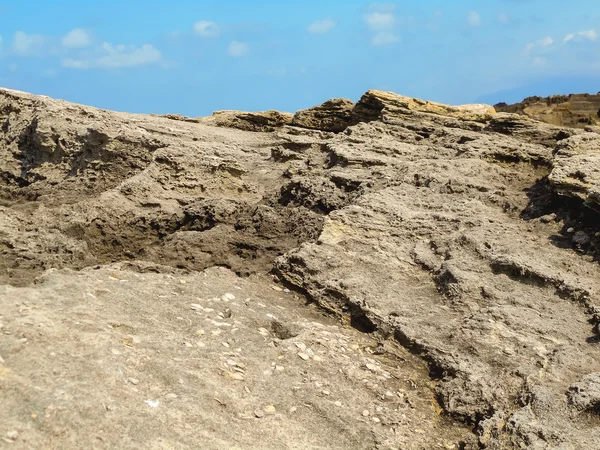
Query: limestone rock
x=334, y=115
x=431, y=231
x=576, y=168
x=585, y=395
x=249, y=121
x=375, y=103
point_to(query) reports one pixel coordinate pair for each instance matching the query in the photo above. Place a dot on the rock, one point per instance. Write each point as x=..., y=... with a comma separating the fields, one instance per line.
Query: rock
x=249, y=121
x=528, y=129
x=259, y=413
x=12, y=435
x=303, y=356
x=576, y=169
x=585, y=395
x=270, y=410
x=334, y=115
x=411, y=226
x=580, y=238
x=375, y=104
x=574, y=110
x=281, y=331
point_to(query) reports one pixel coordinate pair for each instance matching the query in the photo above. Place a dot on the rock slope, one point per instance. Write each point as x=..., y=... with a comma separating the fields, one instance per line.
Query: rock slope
x=170, y=259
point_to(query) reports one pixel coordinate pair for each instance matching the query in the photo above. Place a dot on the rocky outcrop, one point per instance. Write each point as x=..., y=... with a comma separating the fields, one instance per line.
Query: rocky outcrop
x=576, y=169
x=574, y=110
x=247, y=121
x=374, y=104
x=456, y=248
x=334, y=115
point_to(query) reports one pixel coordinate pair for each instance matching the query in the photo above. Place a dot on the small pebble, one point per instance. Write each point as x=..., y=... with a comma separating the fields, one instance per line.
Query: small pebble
x=338, y=403
x=259, y=413
x=134, y=381
x=325, y=392
x=304, y=356
x=571, y=230
x=376, y=419
x=293, y=409
x=365, y=413
x=12, y=435
x=270, y=410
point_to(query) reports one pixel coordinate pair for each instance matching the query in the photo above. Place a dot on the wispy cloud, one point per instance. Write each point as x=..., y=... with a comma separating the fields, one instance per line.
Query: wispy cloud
x=591, y=35
x=384, y=38
x=321, y=26
x=382, y=22
x=474, y=19
x=207, y=29
x=110, y=56
x=77, y=38
x=28, y=44
x=238, y=49
x=541, y=43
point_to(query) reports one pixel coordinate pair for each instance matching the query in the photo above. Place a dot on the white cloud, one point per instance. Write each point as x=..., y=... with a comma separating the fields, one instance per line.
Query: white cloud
x=321, y=26
x=28, y=44
x=111, y=56
x=384, y=38
x=205, y=28
x=539, y=61
x=380, y=21
x=541, y=43
x=75, y=64
x=77, y=38
x=238, y=49
x=591, y=35
x=127, y=56
x=474, y=19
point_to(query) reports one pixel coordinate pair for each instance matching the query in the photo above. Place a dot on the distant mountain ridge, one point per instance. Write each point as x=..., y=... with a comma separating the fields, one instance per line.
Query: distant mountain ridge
x=573, y=110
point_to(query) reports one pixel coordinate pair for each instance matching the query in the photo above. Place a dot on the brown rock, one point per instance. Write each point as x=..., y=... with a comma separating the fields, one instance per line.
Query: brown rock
x=333, y=115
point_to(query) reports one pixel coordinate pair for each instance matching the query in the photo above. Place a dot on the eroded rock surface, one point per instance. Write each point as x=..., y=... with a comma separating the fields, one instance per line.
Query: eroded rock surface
x=461, y=243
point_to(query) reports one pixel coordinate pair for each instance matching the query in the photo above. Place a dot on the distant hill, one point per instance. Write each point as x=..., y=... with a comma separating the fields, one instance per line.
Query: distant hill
x=574, y=110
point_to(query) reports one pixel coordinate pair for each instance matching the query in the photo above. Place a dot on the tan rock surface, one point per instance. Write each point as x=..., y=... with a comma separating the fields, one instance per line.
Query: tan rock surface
x=448, y=256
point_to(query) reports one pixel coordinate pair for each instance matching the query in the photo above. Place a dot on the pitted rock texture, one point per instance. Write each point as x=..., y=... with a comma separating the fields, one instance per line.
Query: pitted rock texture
x=455, y=236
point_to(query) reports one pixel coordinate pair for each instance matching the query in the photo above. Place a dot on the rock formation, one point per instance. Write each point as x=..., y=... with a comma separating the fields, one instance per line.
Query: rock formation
x=394, y=273
x=574, y=110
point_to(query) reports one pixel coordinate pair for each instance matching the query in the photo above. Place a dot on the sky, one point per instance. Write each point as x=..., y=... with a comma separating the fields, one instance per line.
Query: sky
x=195, y=57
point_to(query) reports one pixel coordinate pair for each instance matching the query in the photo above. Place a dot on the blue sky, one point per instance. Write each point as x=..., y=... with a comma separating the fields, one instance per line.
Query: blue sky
x=194, y=57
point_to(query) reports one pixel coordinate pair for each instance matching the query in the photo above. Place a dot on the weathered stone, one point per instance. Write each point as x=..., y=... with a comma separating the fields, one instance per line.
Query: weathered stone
x=375, y=103
x=333, y=115
x=576, y=168
x=249, y=121
x=414, y=224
